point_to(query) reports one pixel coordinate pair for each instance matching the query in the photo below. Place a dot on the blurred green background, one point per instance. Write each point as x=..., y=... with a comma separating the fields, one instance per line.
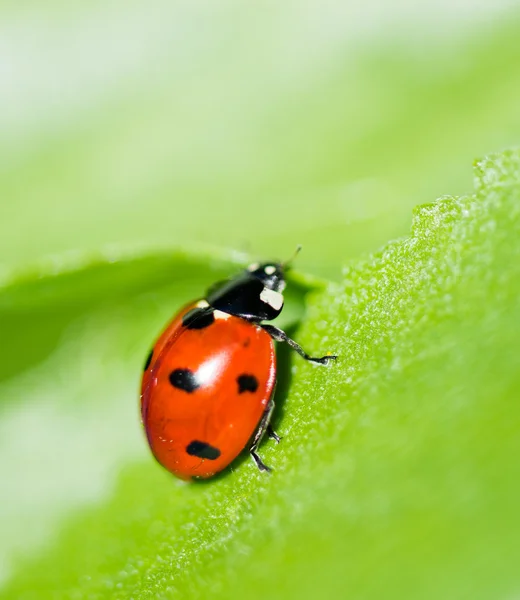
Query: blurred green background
x=253, y=126
x=128, y=128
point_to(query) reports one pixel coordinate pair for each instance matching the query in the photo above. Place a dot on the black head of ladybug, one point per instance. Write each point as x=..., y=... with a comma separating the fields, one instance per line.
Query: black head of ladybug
x=254, y=294
x=270, y=274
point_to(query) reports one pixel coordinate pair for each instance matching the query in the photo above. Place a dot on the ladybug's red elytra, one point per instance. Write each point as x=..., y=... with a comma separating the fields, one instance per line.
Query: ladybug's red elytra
x=208, y=384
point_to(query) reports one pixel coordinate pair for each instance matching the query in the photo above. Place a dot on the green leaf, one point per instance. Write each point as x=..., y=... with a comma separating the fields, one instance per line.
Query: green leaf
x=397, y=475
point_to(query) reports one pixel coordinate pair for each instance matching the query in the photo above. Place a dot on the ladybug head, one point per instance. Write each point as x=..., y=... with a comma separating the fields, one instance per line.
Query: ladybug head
x=254, y=294
x=271, y=275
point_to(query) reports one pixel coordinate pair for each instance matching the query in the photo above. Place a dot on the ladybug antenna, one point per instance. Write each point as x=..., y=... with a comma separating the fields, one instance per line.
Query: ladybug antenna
x=287, y=264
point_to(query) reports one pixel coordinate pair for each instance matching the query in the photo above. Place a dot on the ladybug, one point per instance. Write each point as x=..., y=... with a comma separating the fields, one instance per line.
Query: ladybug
x=208, y=384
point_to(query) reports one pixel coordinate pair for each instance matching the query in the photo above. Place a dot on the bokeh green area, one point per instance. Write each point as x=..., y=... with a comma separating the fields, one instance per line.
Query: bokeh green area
x=253, y=127
x=143, y=149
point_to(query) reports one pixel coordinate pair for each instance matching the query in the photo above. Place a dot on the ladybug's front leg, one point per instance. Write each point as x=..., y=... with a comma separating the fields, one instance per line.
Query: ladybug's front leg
x=263, y=427
x=280, y=336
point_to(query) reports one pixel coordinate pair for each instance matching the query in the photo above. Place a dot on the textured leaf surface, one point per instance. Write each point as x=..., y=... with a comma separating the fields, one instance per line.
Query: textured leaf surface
x=397, y=473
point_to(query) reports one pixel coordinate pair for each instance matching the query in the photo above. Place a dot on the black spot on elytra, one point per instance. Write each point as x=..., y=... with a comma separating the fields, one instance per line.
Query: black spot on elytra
x=202, y=450
x=198, y=318
x=247, y=342
x=184, y=379
x=247, y=383
x=148, y=360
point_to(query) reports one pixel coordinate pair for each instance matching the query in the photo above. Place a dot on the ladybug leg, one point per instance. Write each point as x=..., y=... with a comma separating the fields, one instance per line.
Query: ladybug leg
x=280, y=336
x=262, y=428
x=272, y=434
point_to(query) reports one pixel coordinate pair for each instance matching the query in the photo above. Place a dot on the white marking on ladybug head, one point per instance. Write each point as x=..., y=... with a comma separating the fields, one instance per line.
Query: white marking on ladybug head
x=272, y=298
x=202, y=304
x=253, y=267
x=270, y=269
x=219, y=314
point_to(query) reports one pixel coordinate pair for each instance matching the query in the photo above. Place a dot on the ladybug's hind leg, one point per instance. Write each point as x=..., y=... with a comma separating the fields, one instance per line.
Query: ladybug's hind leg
x=280, y=336
x=263, y=427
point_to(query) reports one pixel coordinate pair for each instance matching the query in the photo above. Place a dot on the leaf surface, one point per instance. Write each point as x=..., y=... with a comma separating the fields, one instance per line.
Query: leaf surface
x=397, y=473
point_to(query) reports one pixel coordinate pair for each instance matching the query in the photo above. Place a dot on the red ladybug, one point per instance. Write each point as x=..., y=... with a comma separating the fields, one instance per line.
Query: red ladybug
x=208, y=384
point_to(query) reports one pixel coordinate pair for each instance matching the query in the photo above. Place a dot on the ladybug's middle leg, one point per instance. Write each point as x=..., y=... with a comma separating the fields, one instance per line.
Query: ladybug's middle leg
x=271, y=433
x=263, y=427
